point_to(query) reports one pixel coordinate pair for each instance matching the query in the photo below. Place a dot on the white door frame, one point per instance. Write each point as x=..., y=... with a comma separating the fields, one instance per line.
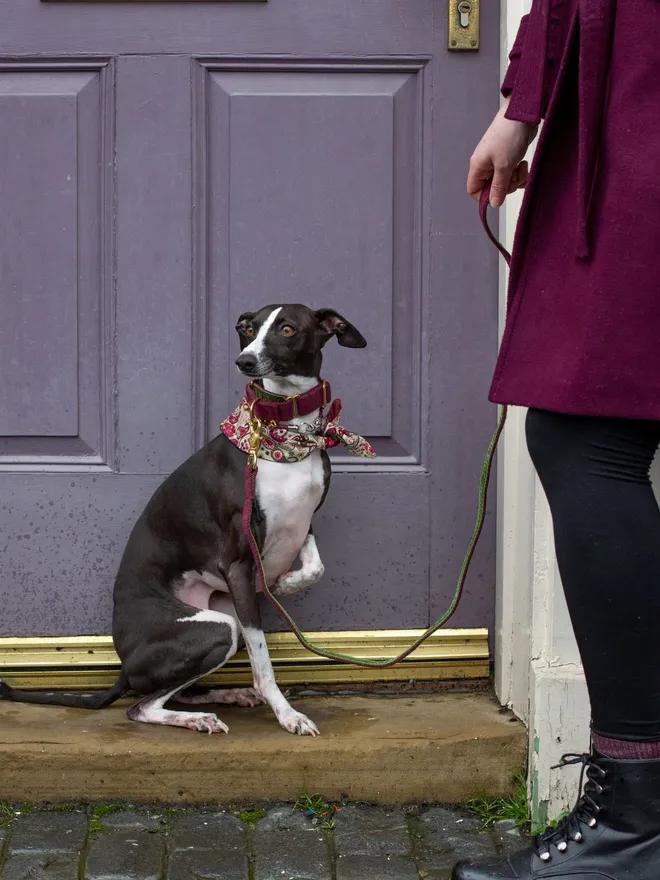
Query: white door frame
x=537, y=668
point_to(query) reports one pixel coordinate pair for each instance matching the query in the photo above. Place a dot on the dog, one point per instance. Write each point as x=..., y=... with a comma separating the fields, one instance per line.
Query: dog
x=185, y=592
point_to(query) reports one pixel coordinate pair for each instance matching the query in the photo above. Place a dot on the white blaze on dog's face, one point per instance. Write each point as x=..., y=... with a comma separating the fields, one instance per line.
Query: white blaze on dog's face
x=286, y=341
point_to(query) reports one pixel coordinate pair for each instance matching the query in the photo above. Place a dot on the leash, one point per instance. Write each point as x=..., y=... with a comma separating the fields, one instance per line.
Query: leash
x=256, y=428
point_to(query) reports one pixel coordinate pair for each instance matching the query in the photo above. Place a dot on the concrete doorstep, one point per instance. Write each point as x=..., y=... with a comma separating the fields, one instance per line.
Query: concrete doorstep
x=440, y=748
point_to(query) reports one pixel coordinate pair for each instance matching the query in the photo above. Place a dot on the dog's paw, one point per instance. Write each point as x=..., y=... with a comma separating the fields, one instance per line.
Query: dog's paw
x=205, y=723
x=294, y=581
x=282, y=585
x=296, y=722
x=246, y=697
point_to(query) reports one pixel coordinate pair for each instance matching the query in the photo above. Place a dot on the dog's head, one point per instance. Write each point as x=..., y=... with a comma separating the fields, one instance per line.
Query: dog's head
x=287, y=340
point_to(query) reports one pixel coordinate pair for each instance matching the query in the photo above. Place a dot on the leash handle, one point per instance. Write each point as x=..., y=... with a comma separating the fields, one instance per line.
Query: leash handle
x=484, y=201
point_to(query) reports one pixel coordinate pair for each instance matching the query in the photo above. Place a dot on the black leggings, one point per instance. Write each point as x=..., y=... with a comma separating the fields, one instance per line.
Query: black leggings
x=595, y=473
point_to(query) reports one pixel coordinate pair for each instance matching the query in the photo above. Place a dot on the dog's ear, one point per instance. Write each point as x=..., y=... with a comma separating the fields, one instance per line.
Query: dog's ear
x=332, y=324
x=245, y=319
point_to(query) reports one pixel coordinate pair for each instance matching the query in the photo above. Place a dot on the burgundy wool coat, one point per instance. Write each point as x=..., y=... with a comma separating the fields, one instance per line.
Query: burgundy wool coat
x=582, y=334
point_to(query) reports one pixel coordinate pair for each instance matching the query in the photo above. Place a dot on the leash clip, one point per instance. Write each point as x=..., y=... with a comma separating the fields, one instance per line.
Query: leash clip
x=256, y=428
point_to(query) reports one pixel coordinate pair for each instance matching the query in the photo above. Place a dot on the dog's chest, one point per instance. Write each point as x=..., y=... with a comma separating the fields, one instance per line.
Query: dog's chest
x=287, y=494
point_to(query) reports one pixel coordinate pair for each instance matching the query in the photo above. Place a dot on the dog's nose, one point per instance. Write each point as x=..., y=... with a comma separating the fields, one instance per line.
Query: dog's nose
x=246, y=362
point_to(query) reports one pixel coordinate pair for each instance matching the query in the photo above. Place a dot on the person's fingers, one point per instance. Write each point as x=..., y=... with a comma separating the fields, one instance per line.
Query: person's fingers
x=513, y=183
x=523, y=174
x=476, y=181
x=518, y=178
x=480, y=171
x=500, y=185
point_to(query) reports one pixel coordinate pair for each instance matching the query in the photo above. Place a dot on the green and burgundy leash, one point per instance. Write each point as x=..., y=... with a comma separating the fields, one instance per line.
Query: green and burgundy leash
x=486, y=470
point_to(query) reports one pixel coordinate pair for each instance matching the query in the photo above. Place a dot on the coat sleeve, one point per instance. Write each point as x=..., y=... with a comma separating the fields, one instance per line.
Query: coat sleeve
x=535, y=58
x=514, y=58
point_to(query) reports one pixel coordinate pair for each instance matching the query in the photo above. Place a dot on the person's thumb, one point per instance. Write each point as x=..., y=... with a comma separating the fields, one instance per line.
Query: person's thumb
x=500, y=186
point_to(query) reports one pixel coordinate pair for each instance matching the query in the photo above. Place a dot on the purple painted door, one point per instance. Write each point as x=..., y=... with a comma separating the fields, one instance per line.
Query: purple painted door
x=164, y=167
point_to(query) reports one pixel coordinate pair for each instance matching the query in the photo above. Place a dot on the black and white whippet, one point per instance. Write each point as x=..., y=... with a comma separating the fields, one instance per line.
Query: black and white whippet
x=185, y=590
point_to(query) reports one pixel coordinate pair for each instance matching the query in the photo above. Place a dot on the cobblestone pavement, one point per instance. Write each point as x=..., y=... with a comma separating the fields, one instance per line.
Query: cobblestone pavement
x=278, y=843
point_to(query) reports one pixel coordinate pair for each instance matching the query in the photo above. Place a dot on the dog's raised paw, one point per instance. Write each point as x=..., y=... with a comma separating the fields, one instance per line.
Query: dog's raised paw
x=281, y=586
x=294, y=581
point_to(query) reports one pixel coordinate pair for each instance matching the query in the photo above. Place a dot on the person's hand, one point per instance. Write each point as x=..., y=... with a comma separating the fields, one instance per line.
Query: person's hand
x=499, y=157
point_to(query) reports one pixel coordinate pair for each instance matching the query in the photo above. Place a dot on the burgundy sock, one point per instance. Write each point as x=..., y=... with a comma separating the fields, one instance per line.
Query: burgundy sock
x=626, y=750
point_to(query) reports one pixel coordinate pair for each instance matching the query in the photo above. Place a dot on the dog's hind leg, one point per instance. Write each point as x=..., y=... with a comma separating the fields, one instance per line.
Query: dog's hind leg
x=196, y=695
x=204, y=642
x=231, y=697
x=150, y=710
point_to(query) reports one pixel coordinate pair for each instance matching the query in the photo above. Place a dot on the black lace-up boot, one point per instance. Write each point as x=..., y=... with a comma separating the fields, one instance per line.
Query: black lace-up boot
x=613, y=832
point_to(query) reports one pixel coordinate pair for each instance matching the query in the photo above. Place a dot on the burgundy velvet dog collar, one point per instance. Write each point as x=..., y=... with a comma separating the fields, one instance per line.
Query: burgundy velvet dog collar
x=274, y=408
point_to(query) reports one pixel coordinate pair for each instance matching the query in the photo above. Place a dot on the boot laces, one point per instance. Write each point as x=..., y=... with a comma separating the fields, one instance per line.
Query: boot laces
x=585, y=811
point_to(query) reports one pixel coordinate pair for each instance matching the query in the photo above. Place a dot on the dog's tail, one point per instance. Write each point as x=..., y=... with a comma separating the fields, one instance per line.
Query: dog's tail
x=78, y=701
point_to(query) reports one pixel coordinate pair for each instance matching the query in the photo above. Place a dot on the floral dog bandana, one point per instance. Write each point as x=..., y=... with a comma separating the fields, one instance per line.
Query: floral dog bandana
x=288, y=443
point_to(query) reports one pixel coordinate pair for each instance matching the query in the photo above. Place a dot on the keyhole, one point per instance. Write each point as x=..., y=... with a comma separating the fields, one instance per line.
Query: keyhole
x=464, y=13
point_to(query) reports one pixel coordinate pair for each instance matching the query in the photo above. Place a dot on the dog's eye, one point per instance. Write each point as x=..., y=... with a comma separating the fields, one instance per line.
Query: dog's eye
x=287, y=330
x=249, y=330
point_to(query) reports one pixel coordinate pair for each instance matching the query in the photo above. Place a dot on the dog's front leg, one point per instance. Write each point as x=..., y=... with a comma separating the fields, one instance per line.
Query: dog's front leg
x=240, y=580
x=310, y=572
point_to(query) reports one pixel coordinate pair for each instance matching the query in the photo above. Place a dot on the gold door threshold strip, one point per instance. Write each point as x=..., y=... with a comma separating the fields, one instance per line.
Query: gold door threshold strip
x=90, y=662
